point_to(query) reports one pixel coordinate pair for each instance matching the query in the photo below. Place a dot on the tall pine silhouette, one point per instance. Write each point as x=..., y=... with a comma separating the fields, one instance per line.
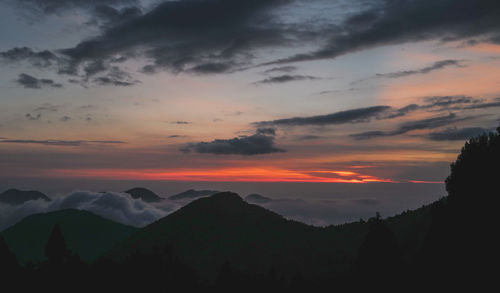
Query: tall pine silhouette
x=55, y=249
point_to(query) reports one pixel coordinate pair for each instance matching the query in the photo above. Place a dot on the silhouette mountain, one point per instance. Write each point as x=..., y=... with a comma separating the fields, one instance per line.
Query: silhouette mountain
x=17, y=197
x=210, y=231
x=87, y=234
x=192, y=194
x=144, y=194
x=257, y=198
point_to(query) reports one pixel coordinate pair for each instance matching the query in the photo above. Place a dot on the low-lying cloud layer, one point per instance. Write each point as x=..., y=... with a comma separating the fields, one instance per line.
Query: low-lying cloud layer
x=115, y=206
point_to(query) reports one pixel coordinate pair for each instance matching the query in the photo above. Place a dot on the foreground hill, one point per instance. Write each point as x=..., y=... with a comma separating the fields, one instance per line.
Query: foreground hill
x=87, y=234
x=210, y=231
x=144, y=194
x=17, y=197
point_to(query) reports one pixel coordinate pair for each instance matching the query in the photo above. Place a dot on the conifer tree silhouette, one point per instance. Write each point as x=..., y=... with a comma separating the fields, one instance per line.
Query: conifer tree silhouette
x=55, y=249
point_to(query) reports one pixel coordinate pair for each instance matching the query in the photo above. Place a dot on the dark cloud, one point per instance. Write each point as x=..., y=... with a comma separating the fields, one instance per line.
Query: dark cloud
x=400, y=21
x=266, y=131
x=181, y=122
x=107, y=16
x=425, y=70
x=31, y=82
x=349, y=116
x=64, y=118
x=257, y=144
x=281, y=69
x=188, y=36
x=441, y=103
x=107, y=80
x=176, y=136
x=286, y=78
x=436, y=66
x=33, y=117
x=54, y=142
x=429, y=123
x=40, y=59
x=60, y=6
x=457, y=134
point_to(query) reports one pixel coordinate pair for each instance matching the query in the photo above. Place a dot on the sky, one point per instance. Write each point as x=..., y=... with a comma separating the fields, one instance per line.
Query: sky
x=250, y=91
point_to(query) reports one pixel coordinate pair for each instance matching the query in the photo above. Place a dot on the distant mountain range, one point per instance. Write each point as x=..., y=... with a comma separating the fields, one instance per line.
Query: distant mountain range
x=87, y=234
x=223, y=227
x=192, y=194
x=257, y=198
x=17, y=197
x=209, y=231
x=144, y=194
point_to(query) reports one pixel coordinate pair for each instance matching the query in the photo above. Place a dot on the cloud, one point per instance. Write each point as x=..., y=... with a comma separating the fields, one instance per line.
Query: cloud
x=396, y=22
x=176, y=136
x=59, y=6
x=31, y=82
x=429, y=123
x=41, y=59
x=64, y=118
x=436, y=66
x=181, y=122
x=425, y=70
x=257, y=144
x=281, y=69
x=349, y=116
x=53, y=142
x=33, y=117
x=457, y=134
x=266, y=131
x=324, y=212
x=187, y=36
x=115, y=206
x=286, y=78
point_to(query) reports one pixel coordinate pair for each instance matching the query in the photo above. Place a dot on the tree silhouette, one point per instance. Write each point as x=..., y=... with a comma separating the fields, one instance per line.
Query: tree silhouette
x=462, y=239
x=55, y=249
x=474, y=175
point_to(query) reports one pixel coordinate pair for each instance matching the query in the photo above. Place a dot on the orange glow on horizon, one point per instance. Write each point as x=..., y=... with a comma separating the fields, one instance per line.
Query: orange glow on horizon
x=224, y=175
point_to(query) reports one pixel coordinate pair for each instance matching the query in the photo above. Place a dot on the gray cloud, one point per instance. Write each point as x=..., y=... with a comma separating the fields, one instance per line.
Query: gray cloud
x=257, y=144
x=40, y=59
x=31, y=82
x=187, y=36
x=181, y=122
x=266, y=131
x=396, y=22
x=429, y=123
x=349, y=116
x=287, y=69
x=33, y=117
x=53, y=142
x=436, y=66
x=59, y=6
x=425, y=70
x=286, y=78
x=457, y=134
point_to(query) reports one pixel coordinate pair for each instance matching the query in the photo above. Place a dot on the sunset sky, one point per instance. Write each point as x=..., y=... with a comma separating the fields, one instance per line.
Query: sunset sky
x=346, y=91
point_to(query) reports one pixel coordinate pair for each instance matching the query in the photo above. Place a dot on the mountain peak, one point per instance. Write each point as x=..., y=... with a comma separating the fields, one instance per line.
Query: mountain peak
x=17, y=197
x=144, y=194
